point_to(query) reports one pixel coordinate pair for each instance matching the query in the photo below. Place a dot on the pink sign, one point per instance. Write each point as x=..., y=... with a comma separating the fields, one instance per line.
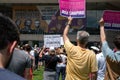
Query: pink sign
x=73, y=8
x=112, y=19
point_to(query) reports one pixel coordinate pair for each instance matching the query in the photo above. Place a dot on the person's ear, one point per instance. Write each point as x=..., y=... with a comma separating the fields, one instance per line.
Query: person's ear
x=11, y=47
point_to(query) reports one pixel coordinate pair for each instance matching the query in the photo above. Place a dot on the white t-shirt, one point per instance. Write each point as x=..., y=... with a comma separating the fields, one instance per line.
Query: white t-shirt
x=63, y=63
x=32, y=53
x=101, y=66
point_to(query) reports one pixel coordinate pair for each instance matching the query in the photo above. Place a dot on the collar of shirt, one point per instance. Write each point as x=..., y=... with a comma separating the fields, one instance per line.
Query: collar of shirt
x=117, y=52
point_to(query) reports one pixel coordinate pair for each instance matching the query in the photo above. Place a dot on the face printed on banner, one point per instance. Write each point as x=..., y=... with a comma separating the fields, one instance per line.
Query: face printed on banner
x=37, y=23
x=80, y=22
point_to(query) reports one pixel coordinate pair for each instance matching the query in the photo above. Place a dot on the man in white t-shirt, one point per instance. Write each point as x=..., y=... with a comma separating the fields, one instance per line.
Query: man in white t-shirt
x=101, y=63
x=101, y=66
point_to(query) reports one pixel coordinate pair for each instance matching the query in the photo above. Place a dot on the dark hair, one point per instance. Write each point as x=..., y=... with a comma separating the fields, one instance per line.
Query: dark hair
x=116, y=41
x=8, y=32
x=28, y=47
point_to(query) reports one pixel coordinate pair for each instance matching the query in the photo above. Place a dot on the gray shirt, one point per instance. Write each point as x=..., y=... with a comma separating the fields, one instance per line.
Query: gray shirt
x=20, y=60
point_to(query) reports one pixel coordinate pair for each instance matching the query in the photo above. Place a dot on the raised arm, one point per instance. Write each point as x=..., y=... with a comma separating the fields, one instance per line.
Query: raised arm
x=41, y=52
x=65, y=33
x=102, y=31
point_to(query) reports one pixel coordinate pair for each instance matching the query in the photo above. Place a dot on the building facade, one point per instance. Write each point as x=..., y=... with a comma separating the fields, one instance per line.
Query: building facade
x=36, y=18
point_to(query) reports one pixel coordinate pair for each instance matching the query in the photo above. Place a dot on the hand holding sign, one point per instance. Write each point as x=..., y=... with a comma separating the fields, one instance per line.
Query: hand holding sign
x=101, y=22
x=69, y=20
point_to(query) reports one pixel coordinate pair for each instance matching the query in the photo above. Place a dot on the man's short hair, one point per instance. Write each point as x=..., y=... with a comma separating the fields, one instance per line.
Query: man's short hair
x=28, y=47
x=8, y=32
x=116, y=41
x=82, y=37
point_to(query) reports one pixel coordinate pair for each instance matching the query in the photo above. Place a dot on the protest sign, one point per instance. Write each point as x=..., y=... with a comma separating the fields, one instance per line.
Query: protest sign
x=112, y=25
x=52, y=41
x=112, y=20
x=73, y=8
x=62, y=42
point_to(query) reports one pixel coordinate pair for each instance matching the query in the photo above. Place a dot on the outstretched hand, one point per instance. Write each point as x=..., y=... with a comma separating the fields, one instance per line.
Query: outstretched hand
x=102, y=31
x=70, y=18
x=101, y=22
x=44, y=47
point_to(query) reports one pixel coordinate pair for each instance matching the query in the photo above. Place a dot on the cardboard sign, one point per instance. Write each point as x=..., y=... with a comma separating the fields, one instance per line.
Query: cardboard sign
x=112, y=20
x=52, y=41
x=73, y=8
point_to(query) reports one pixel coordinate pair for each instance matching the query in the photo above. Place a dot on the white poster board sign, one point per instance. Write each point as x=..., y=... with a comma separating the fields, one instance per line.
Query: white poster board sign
x=52, y=41
x=62, y=42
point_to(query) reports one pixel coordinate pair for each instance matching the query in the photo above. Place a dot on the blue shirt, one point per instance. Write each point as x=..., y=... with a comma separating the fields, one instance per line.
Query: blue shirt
x=7, y=75
x=109, y=52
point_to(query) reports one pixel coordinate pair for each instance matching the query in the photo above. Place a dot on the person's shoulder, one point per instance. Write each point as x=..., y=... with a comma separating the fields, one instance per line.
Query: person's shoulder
x=20, y=54
x=104, y=43
x=63, y=55
x=18, y=51
x=7, y=75
x=90, y=52
x=100, y=54
x=68, y=43
x=46, y=56
x=25, y=54
x=32, y=52
x=74, y=47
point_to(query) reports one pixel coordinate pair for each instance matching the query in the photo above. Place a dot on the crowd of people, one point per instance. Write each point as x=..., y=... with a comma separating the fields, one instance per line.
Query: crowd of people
x=73, y=62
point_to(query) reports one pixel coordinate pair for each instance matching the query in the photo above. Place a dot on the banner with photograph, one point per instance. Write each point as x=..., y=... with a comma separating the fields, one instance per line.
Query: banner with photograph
x=52, y=41
x=73, y=8
x=112, y=20
x=58, y=24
